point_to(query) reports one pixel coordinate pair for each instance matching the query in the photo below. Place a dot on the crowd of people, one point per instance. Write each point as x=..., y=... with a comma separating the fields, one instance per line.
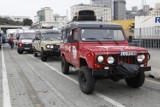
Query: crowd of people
x=3, y=40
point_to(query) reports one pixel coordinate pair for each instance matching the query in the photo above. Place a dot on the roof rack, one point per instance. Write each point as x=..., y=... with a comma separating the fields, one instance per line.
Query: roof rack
x=85, y=15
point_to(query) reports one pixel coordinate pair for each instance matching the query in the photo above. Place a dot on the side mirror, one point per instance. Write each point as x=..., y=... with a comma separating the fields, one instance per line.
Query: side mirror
x=70, y=39
x=130, y=39
x=36, y=38
x=33, y=40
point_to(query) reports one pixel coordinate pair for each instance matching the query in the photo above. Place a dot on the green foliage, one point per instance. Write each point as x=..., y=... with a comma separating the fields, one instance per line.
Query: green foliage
x=5, y=21
x=27, y=22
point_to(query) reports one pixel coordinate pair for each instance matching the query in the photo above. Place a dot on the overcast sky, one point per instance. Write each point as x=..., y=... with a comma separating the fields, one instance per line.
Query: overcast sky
x=30, y=7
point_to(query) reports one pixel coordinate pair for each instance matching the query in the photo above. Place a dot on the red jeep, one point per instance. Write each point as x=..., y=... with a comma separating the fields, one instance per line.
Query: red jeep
x=101, y=50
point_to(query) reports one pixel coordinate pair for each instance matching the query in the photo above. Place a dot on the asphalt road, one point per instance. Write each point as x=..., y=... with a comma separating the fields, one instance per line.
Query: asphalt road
x=26, y=81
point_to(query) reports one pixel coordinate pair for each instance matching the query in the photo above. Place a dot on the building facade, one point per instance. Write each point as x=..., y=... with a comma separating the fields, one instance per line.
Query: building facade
x=106, y=3
x=44, y=18
x=146, y=8
x=156, y=11
x=102, y=13
x=119, y=9
x=45, y=14
x=157, y=6
x=135, y=8
x=60, y=21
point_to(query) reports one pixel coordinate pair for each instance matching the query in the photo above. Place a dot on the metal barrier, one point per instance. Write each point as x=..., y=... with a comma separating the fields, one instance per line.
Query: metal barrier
x=147, y=37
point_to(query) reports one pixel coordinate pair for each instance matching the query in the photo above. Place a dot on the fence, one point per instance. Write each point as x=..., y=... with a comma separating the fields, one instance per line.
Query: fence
x=147, y=37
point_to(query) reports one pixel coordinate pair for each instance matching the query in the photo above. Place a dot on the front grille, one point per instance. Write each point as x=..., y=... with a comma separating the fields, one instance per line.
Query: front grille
x=26, y=45
x=56, y=46
x=126, y=59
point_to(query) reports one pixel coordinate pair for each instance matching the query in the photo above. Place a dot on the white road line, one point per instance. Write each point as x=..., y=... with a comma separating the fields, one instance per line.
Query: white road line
x=6, y=94
x=153, y=81
x=52, y=88
x=113, y=102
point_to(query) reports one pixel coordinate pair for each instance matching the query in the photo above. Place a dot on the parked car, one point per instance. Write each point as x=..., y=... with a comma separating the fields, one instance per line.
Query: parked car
x=100, y=50
x=25, y=42
x=47, y=43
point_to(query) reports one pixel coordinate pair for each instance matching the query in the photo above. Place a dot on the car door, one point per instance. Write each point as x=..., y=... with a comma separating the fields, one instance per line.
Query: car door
x=74, y=48
x=65, y=46
x=36, y=41
x=39, y=41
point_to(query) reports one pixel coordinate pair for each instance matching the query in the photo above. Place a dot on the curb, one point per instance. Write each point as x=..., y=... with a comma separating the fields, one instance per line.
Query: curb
x=152, y=76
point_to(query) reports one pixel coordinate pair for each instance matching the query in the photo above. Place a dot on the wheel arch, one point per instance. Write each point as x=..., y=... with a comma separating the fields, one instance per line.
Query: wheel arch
x=83, y=62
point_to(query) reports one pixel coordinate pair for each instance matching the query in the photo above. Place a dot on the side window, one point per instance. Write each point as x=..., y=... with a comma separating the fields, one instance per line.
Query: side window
x=75, y=35
x=68, y=32
x=64, y=36
x=38, y=36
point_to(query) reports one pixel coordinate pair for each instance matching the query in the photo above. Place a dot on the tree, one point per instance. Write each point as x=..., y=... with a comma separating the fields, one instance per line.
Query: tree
x=5, y=21
x=27, y=22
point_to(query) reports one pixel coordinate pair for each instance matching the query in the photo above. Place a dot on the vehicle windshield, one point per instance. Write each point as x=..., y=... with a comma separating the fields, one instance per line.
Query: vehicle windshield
x=27, y=35
x=50, y=35
x=102, y=35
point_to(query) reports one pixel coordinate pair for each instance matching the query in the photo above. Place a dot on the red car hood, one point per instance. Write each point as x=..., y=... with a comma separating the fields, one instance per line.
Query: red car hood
x=115, y=49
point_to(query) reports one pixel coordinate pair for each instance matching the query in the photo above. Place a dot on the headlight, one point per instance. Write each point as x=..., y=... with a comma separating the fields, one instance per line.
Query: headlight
x=100, y=59
x=48, y=46
x=110, y=60
x=51, y=46
x=140, y=58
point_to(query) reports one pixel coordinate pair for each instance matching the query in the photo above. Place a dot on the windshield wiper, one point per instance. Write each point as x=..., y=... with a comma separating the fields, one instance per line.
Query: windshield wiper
x=107, y=38
x=91, y=38
x=95, y=39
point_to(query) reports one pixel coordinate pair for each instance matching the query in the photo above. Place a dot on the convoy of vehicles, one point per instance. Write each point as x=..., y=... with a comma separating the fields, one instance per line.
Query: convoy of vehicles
x=99, y=50
x=47, y=43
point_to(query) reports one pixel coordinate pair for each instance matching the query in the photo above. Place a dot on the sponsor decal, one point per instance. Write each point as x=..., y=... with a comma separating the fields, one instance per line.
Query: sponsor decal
x=74, y=52
x=157, y=19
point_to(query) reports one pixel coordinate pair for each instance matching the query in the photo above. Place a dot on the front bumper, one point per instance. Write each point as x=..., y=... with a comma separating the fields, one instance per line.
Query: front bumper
x=143, y=69
x=52, y=52
x=105, y=72
x=25, y=47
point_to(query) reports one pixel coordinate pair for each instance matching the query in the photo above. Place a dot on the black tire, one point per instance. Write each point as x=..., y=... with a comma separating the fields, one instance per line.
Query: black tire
x=34, y=52
x=43, y=56
x=137, y=81
x=64, y=66
x=20, y=51
x=86, y=80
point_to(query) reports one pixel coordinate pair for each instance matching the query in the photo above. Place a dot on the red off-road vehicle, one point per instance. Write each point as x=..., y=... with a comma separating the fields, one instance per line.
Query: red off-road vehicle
x=101, y=50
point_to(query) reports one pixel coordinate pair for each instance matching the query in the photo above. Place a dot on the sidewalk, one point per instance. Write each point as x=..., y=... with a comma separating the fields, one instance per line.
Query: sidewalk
x=155, y=64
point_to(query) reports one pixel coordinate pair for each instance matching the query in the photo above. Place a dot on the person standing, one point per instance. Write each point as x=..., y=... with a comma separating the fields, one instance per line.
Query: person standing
x=11, y=42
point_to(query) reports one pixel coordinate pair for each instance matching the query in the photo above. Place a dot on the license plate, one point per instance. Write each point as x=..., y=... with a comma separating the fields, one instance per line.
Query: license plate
x=26, y=48
x=132, y=53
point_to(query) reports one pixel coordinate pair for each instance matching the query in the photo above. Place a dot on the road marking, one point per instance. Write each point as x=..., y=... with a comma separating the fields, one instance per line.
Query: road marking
x=113, y=102
x=52, y=88
x=153, y=81
x=6, y=94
